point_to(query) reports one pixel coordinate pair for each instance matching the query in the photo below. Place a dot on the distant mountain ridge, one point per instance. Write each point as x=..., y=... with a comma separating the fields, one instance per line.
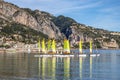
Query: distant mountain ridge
x=30, y=25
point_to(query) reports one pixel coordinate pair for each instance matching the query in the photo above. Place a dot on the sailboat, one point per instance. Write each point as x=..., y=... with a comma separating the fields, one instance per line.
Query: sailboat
x=90, y=47
x=51, y=47
x=39, y=45
x=43, y=46
x=80, y=49
x=91, y=51
x=66, y=47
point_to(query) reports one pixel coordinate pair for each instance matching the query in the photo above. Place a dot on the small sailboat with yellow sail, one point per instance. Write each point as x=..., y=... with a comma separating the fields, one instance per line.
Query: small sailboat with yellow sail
x=91, y=50
x=51, y=47
x=66, y=47
x=80, y=49
x=66, y=50
x=90, y=47
x=43, y=46
x=39, y=46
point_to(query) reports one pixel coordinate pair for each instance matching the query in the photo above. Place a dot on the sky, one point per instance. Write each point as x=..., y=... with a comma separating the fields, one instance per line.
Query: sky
x=103, y=14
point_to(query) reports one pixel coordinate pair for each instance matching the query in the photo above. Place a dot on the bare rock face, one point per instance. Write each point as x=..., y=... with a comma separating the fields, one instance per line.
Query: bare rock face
x=25, y=18
x=39, y=21
x=112, y=44
x=47, y=26
x=1, y=0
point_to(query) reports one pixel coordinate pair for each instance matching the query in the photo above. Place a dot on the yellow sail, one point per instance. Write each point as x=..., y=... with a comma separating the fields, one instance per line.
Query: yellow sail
x=53, y=46
x=39, y=45
x=49, y=45
x=66, y=46
x=80, y=46
x=43, y=46
x=90, y=47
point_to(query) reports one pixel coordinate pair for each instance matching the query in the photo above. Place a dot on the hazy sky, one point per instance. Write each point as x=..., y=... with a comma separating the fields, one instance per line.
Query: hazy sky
x=97, y=13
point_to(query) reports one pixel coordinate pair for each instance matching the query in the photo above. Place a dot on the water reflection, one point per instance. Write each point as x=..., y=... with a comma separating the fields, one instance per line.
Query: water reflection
x=47, y=68
x=90, y=67
x=16, y=65
x=67, y=68
x=26, y=66
x=80, y=68
x=43, y=67
x=53, y=68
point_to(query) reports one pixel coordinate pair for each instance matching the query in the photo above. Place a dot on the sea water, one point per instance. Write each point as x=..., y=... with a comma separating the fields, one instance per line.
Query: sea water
x=24, y=66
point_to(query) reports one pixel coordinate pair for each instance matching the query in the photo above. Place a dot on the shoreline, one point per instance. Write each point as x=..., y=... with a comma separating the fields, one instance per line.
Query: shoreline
x=35, y=50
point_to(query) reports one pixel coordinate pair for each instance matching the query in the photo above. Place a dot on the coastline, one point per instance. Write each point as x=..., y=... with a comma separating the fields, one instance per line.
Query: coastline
x=36, y=50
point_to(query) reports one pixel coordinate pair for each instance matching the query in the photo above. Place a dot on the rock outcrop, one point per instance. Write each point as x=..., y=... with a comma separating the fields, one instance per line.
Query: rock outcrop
x=25, y=25
x=38, y=21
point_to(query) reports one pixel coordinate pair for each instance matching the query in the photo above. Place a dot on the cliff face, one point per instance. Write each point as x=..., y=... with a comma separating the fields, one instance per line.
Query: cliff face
x=25, y=25
x=75, y=31
x=38, y=21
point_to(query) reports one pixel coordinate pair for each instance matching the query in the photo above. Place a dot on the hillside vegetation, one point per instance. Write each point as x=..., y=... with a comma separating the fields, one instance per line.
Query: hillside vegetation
x=27, y=26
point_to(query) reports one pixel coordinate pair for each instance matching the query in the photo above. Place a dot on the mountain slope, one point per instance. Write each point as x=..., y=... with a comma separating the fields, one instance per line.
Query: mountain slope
x=15, y=32
x=26, y=26
x=75, y=31
x=39, y=21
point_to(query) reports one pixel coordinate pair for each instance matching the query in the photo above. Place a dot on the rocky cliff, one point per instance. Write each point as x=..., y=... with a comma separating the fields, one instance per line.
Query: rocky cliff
x=38, y=21
x=25, y=25
x=75, y=31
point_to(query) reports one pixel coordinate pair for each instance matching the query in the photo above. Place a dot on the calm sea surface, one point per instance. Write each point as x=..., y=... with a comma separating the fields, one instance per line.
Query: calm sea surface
x=24, y=66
